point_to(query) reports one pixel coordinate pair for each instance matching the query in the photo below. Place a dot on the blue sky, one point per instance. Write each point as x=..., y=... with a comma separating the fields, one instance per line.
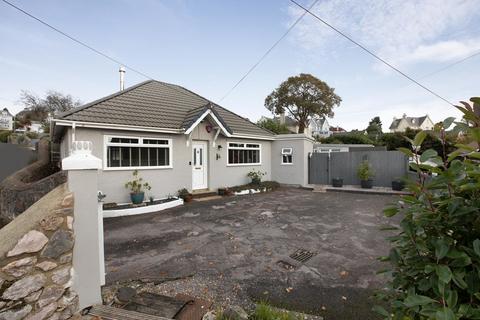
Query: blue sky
x=207, y=46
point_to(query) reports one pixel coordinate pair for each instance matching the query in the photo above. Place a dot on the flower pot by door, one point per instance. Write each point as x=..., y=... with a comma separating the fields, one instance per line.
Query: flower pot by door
x=366, y=184
x=137, y=198
x=337, y=182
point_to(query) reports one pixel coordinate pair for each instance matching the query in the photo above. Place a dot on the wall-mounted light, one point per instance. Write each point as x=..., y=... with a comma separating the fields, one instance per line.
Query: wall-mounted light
x=219, y=147
x=218, y=156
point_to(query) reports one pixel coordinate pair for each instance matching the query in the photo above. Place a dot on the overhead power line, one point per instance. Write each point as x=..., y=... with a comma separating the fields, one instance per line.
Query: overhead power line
x=448, y=66
x=372, y=53
x=77, y=41
x=267, y=52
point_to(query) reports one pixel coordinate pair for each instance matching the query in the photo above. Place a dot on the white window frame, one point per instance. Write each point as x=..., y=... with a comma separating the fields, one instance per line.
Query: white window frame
x=106, y=144
x=259, y=163
x=287, y=152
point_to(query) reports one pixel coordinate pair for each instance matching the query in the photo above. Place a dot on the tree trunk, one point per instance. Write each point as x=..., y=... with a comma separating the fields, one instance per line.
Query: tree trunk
x=301, y=127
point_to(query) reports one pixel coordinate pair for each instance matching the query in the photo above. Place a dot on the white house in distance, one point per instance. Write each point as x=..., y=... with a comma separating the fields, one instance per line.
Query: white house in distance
x=177, y=139
x=415, y=123
x=6, y=120
x=317, y=127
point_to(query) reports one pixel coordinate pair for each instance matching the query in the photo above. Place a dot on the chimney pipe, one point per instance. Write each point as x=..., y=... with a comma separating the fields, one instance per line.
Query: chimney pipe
x=122, y=78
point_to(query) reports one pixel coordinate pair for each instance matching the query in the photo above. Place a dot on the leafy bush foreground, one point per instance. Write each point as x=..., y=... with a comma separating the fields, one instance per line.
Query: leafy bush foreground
x=435, y=257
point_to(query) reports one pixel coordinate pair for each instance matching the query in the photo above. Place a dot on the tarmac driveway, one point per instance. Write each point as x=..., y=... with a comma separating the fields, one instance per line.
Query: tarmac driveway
x=237, y=250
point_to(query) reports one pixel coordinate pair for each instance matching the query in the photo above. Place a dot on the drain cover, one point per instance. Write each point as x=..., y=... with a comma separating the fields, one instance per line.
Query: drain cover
x=302, y=255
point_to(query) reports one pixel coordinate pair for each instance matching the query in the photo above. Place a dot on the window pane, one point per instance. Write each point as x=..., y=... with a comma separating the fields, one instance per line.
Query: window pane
x=153, y=157
x=113, y=157
x=123, y=140
x=253, y=146
x=230, y=156
x=154, y=141
x=135, y=156
x=144, y=157
x=163, y=155
x=125, y=156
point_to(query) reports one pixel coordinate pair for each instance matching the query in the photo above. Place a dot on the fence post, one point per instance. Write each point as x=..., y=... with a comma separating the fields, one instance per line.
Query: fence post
x=82, y=169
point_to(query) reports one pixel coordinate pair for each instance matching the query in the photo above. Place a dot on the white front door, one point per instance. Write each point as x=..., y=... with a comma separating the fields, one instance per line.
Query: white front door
x=199, y=165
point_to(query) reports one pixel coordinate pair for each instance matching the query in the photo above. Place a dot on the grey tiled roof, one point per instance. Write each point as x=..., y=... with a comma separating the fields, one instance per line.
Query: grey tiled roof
x=413, y=122
x=158, y=105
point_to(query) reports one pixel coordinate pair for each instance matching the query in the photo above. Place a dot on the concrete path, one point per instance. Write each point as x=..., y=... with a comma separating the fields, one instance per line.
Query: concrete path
x=236, y=250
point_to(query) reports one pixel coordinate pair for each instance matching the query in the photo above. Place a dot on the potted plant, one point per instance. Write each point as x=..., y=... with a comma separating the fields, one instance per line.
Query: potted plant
x=185, y=195
x=365, y=174
x=224, y=191
x=136, y=187
x=256, y=176
x=337, y=182
x=398, y=184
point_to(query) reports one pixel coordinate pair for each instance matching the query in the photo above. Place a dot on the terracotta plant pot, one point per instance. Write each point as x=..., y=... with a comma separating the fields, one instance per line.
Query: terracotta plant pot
x=337, y=182
x=187, y=198
x=366, y=184
x=137, y=198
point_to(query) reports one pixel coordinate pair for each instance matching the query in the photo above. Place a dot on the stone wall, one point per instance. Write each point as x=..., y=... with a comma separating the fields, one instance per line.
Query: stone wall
x=36, y=261
x=26, y=186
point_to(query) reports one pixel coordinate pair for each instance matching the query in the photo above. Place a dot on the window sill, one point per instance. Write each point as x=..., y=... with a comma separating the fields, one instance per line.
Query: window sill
x=243, y=164
x=286, y=164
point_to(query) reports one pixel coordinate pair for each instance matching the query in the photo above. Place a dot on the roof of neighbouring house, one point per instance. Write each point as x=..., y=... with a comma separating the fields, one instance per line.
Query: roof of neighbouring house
x=413, y=122
x=337, y=129
x=8, y=112
x=161, y=105
x=319, y=121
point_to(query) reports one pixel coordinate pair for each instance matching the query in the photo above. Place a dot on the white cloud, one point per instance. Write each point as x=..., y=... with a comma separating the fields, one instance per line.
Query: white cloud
x=444, y=51
x=402, y=31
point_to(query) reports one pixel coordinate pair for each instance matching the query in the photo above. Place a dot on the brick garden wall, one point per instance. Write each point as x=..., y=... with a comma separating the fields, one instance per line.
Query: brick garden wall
x=36, y=261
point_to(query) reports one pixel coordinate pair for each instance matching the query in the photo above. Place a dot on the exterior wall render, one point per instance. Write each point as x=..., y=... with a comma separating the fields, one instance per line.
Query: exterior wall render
x=168, y=181
x=297, y=172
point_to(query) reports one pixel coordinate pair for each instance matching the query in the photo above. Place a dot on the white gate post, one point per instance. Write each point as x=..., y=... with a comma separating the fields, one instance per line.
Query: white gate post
x=101, y=241
x=82, y=169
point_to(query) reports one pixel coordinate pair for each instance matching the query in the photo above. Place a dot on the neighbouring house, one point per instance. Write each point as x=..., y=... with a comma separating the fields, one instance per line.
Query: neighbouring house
x=177, y=139
x=337, y=130
x=6, y=120
x=415, y=123
x=319, y=127
x=316, y=126
x=33, y=126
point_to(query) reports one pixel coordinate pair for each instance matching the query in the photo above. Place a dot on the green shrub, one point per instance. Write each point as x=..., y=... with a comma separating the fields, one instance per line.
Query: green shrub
x=32, y=135
x=435, y=258
x=365, y=170
x=4, y=136
x=256, y=176
x=348, y=138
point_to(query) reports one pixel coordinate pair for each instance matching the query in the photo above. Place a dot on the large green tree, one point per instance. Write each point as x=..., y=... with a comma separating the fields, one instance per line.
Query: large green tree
x=303, y=97
x=273, y=126
x=374, y=126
